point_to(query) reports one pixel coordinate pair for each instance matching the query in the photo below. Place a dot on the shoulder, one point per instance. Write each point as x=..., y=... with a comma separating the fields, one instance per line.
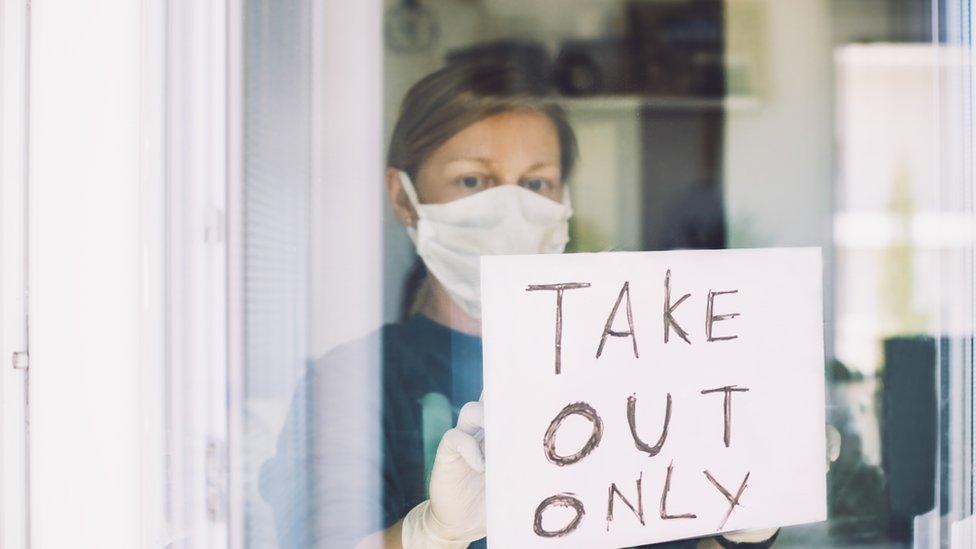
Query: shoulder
x=367, y=359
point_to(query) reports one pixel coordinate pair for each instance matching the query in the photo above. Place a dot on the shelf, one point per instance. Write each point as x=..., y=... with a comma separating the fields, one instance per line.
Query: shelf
x=599, y=103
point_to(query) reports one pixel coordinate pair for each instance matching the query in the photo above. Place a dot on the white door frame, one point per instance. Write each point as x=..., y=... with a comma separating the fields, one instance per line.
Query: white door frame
x=196, y=186
x=127, y=161
x=13, y=276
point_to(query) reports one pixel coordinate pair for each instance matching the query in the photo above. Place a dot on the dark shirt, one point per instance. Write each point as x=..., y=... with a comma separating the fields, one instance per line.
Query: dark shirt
x=426, y=362
x=352, y=459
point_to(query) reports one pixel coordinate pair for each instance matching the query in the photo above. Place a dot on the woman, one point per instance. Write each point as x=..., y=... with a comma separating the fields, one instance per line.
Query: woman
x=476, y=166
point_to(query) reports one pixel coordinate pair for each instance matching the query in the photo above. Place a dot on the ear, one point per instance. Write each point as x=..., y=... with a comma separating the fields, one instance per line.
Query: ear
x=402, y=208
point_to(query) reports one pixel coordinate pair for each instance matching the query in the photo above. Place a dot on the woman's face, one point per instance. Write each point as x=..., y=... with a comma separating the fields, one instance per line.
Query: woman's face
x=511, y=148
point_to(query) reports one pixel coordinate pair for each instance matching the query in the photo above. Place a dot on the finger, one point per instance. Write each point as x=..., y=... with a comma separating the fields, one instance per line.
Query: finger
x=457, y=443
x=471, y=419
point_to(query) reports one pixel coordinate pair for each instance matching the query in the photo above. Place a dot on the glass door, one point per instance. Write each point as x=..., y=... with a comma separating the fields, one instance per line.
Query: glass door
x=700, y=124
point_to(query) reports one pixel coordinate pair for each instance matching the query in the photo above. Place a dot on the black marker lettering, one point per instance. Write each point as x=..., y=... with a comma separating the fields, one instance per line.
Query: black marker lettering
x=712, y=318
x=549, y=440
x=727, y=407
x=669, y=321
x=561, y=500
x=664, y=499
x=733, y=500
x=608, y=328
x=559, y=289
x=639, y=511
x=632, y=421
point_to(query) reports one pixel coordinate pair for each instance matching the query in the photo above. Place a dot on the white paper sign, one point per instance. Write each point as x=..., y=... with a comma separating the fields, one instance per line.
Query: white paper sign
x=639, y=397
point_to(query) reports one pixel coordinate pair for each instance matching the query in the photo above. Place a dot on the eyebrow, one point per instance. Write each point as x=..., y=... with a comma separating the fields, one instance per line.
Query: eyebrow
x=487, y=162
x=478, y=159
x=538, y=165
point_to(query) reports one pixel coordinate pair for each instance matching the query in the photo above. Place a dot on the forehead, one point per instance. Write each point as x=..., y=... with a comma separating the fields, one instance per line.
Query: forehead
x=510, y=136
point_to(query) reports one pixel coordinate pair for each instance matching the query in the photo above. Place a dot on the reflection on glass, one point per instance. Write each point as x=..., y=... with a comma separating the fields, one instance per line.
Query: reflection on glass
x=699, y=124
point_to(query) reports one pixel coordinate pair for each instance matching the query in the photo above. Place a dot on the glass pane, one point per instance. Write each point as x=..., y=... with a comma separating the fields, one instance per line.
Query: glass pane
x=277, y=182
x=701, y=124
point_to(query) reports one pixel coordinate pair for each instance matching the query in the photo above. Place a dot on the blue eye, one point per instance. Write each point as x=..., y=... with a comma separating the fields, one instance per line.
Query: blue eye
x=534, y=185
x=471, y=181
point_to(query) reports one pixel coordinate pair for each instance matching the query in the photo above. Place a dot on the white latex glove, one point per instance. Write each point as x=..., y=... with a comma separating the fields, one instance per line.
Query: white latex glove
x=750, y=536
x=454, y=516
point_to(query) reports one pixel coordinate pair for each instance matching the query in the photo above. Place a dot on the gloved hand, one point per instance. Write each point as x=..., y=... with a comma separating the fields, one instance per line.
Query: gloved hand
x=454, y=516
x=765, y=537
x=749, y=538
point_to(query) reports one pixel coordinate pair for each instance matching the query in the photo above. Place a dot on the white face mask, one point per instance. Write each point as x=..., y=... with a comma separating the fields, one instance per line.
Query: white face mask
x=504, y=220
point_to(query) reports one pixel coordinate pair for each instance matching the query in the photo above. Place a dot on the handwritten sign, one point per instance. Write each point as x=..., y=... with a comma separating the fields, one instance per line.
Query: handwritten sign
x=639, y=397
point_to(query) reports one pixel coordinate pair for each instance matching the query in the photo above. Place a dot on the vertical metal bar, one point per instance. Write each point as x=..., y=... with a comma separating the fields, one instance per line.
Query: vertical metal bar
x=952, y=33
x=235, y=274
x=196, y=266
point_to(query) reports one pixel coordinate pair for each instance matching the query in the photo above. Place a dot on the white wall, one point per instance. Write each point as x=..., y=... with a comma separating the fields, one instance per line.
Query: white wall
x=778, y=155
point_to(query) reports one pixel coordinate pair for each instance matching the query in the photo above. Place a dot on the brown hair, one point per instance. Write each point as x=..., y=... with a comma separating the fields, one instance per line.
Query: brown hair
x=446, y=101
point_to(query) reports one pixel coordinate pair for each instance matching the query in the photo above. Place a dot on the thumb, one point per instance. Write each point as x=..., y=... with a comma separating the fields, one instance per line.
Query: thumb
x=471, y=418
x=456, y=444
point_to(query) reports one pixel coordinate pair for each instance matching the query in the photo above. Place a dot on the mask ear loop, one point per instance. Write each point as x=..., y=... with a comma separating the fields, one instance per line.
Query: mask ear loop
x=414, y=201
x=409, y=189
x=566, y=201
